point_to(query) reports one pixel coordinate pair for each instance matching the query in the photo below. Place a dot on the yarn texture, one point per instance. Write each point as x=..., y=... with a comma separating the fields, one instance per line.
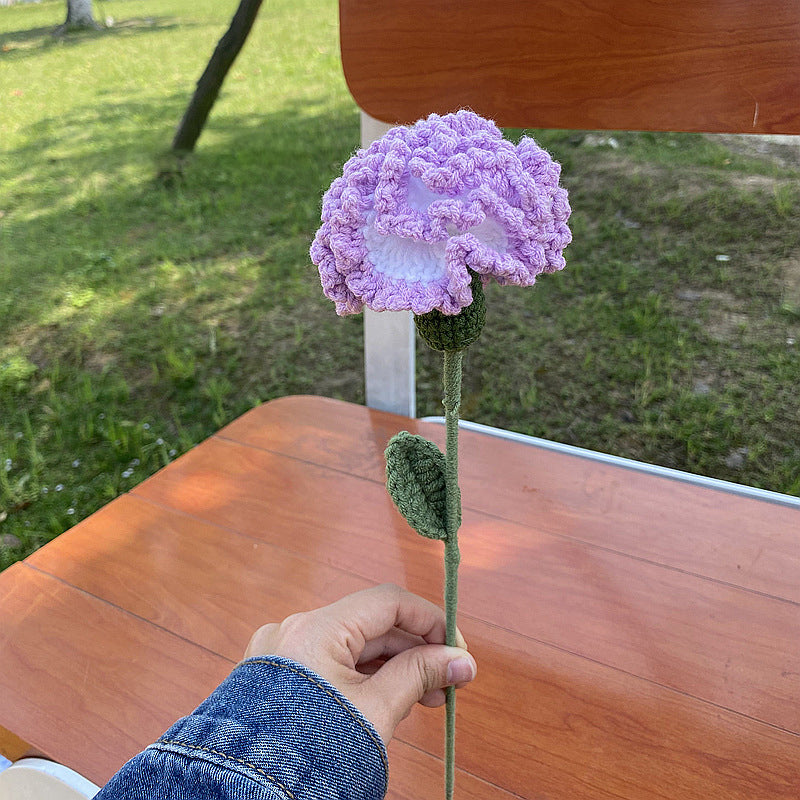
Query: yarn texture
x=442, y=332
x=414, y=212
x=415, y=478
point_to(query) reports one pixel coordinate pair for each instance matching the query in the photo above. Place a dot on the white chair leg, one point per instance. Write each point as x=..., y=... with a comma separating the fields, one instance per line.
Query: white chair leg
x=389, y=347
x=39, y=779
x=389, y=358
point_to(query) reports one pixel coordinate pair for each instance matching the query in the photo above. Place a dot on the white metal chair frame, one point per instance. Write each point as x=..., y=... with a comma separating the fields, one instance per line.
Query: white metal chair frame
x=389, y=348
x=39, y=779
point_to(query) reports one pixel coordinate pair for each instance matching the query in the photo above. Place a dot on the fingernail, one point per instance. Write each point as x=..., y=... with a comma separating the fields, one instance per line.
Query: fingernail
x=460, y=640
x=460, y=670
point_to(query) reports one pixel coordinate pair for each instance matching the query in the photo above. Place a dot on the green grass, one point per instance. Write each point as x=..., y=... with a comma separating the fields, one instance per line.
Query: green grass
x=136, y=317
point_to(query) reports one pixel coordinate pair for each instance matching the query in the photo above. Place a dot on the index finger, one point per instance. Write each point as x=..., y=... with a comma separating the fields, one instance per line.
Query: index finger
x=375, y=611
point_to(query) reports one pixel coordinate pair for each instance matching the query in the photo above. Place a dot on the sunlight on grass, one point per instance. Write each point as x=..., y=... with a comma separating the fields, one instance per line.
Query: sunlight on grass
x=136, y=317
x=124, y=304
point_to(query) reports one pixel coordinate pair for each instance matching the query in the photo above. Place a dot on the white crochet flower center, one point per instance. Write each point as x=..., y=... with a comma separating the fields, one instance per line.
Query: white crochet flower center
x=412, y=260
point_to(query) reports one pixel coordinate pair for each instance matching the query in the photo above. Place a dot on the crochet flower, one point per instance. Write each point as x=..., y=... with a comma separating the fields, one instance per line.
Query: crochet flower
x=416, y=211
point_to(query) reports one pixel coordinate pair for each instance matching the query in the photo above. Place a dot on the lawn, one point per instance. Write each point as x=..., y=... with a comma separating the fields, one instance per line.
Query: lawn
x=137, y=316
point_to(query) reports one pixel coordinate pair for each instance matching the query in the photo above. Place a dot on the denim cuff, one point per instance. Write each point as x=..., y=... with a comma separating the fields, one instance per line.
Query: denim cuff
x=281, y=725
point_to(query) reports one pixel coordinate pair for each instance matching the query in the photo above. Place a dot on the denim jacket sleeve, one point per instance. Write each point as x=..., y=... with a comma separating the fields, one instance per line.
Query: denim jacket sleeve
x=273, y=730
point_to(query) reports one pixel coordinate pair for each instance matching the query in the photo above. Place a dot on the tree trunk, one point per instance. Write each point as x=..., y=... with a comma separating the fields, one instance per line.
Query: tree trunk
x=79, y=14
x=191, y=126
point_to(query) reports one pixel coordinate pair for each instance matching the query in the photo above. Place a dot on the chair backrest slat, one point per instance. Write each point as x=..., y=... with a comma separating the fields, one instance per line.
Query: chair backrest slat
x=682, y=65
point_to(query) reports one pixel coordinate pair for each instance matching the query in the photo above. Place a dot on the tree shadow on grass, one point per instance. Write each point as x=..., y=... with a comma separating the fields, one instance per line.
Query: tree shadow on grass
x=22, y=44
x=180, y=306
x=118, y=271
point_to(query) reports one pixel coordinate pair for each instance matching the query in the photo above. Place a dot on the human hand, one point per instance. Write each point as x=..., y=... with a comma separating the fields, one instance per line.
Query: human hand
x=382, y=648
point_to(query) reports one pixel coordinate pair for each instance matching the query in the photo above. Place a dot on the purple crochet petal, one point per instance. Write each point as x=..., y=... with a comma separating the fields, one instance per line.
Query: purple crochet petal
x=419, y=207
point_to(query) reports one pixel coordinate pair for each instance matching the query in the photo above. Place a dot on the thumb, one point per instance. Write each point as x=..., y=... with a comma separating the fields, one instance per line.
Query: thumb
x=417, y=673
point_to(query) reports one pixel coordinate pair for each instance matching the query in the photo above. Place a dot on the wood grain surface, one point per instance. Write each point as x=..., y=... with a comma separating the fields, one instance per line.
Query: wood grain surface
x=547, y=724
x=621, y=670
x=204, y=583
x=693, y=65
x=729, y=647
x=92, y=685
x=13, y=748
x=714, y=534
x=86, y=683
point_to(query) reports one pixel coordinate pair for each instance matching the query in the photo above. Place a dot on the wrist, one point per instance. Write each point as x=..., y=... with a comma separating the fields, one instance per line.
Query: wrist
x=280, y=723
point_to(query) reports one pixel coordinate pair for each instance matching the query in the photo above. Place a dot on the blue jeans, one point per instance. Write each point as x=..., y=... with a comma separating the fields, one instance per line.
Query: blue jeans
x=273, y=730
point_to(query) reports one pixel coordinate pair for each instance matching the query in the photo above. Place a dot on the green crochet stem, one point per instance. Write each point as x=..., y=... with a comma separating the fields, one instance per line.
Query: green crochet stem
x=452, y=401
x=451, y=335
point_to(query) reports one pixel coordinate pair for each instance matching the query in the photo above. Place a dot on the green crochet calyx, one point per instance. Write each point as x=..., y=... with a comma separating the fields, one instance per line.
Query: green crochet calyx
x=451, y=332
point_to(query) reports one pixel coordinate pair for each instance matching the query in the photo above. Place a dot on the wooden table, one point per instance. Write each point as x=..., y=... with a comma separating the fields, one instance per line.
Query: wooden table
x=637, y=637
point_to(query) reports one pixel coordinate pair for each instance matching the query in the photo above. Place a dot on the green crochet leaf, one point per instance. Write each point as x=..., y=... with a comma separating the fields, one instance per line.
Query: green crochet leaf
x=415, y=480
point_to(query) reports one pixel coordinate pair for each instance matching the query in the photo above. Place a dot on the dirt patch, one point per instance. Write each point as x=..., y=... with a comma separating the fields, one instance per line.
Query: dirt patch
x=783, y=150
x=723, y=315
x=100, y=361
x=791, y=282
x=723, y=325
x=754, y=183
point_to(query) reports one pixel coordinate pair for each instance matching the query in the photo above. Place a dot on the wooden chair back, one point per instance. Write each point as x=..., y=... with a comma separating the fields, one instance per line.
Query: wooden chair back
x=672, y=65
